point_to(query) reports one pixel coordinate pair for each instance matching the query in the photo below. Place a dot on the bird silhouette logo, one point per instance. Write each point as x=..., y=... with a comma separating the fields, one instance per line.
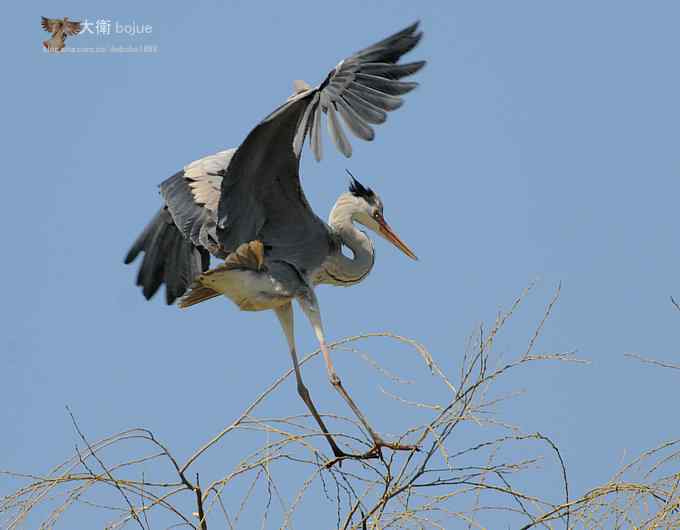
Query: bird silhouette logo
x=60, y=28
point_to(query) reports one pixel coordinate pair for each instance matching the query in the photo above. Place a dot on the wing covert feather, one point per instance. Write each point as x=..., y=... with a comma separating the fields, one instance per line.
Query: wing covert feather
x=261, y=197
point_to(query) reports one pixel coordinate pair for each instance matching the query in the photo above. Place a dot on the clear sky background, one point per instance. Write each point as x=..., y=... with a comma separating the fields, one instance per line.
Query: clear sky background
x=542, y=143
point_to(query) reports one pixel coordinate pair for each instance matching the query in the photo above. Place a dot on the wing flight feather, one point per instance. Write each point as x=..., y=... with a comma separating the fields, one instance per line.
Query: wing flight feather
x=361, y=90
x=261, y=197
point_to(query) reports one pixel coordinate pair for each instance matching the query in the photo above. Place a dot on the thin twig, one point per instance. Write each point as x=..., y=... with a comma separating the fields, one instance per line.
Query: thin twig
x=133, y=511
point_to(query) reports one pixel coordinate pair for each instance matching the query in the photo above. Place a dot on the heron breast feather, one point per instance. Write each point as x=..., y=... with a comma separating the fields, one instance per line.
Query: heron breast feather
x=249, y=290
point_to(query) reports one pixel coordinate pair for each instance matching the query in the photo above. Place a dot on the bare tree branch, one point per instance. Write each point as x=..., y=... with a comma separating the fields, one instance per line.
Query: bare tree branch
x=469, y=467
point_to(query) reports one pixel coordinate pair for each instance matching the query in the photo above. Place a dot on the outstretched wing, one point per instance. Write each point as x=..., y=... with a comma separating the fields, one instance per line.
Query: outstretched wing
x=169, y=258
x=178, y=241
x=361, y=90
x=50, y=24
x=261, y=196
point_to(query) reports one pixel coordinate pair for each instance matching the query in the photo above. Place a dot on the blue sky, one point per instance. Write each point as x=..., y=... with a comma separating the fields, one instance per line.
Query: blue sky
x=541, y=144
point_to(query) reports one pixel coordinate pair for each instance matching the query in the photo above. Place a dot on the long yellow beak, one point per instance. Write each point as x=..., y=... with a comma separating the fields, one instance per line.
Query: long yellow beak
x=393, y=238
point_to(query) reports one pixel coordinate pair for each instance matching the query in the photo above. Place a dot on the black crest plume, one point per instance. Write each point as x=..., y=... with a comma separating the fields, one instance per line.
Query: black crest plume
x=357, y=189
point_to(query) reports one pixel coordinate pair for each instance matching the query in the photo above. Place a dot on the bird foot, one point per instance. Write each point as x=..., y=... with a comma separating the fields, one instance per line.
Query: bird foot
x=372, y=453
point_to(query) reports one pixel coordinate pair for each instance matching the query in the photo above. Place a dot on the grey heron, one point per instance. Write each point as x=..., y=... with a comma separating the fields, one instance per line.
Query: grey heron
x=246, y=206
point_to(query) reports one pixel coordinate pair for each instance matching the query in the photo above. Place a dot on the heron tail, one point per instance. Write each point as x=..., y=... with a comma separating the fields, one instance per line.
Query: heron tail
x=169, y=258
x=197, y=294
x=248, y=256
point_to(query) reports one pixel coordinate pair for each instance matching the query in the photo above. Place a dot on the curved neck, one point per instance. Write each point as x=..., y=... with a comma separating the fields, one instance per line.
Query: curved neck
x=341, y=269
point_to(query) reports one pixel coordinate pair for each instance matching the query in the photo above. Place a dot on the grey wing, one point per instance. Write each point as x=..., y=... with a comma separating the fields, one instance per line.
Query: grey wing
x=178, y=241
x=192, y=196
x=261, y=196
x=359, y=91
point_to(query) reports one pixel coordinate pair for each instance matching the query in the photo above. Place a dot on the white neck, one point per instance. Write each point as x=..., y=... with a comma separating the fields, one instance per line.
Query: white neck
x=340, y=269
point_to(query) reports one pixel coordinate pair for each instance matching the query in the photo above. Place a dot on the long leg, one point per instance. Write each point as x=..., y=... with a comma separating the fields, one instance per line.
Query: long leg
x=310, y=306
x=285, y=314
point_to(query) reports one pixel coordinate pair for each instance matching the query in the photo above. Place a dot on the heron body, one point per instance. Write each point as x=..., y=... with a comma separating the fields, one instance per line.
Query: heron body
x=275, y=282
x=255, y=290
x=246, y=206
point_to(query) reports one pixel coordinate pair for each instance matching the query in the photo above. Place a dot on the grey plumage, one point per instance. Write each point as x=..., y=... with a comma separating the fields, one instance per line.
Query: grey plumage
x=247, y=206
x=393, y=71
x=388, y=86
x=169, y=258
x=192, y=196
x=254, y=193
x=360, y=128
x=361, y=88
x=178, y=241
x=364, y=109
x=261, y=193
x=262, y=198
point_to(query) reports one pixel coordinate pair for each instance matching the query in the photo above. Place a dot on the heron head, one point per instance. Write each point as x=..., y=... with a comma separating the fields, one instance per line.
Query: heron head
x=369, y=213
